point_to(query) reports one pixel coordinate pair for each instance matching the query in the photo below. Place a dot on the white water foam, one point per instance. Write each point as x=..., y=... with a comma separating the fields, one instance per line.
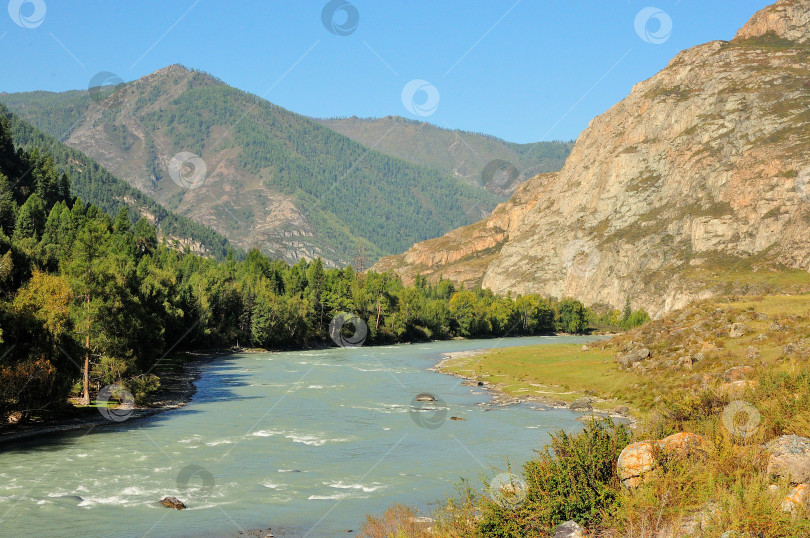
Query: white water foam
x=374, y=486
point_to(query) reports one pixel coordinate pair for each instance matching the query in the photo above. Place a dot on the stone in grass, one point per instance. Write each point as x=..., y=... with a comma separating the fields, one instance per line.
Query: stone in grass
x=636, y=460
x=790, y=458
x=569, y=529
x=173, y=502
x=639, y=459
x=737, y=330
x=629, y=359
x=737, y=373
x=797, y=501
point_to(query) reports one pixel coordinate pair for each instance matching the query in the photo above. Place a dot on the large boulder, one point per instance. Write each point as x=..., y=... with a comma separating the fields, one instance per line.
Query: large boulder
x=639, y=459
x=683, y=445
x=790, y=458
x=582, y=404
x=635, y=461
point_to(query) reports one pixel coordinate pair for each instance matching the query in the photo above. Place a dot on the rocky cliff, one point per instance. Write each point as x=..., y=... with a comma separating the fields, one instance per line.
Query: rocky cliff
x=695, y=184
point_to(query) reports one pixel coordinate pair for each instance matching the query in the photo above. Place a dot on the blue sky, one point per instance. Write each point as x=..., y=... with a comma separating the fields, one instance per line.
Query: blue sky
x=524, y=70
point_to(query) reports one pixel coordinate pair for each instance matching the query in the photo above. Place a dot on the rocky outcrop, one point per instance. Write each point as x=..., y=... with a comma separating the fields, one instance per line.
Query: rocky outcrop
x=788, y=19
x=704, y=166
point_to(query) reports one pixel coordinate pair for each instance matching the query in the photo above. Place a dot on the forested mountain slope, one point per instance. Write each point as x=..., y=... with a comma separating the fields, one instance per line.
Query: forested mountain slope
x=95, y=185
x=272, y=179
x=490, y=162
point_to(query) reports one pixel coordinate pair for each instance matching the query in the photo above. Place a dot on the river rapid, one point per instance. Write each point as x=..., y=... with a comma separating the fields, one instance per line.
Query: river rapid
x=303, y=442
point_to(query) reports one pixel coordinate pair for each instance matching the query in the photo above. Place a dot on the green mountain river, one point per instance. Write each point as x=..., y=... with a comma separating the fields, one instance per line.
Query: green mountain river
x=303, y=442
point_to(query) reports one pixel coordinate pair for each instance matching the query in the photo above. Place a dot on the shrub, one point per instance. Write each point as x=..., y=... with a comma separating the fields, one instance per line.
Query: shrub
x=574, y=479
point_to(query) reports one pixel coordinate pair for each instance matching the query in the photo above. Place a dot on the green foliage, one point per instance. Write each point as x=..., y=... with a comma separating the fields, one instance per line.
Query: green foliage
x=84, y=288
x=88, y=180
x=571, y=316
x=573, y=479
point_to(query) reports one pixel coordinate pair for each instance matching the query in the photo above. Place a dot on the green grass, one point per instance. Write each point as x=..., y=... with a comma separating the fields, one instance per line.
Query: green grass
x=557, y=372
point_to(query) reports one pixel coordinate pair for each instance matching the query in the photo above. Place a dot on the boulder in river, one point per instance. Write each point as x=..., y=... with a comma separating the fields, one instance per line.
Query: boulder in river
x=173, y=502
x=583, y=404
x=425, y=397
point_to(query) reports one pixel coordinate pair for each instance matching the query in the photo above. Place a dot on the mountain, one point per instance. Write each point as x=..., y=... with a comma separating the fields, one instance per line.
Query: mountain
x=697, y=183
x=258, y=174
x=95, y=185
x=495, y=164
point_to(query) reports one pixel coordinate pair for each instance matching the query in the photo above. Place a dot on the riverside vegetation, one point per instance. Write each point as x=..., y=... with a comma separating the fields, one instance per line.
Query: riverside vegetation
x=682, y=373
x=89, y=292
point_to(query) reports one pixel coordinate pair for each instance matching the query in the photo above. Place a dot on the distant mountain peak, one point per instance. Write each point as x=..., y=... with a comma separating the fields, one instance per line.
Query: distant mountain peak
x=787, y=19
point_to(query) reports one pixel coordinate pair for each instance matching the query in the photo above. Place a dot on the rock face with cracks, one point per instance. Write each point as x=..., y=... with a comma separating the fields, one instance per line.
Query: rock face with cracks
x=702, y=168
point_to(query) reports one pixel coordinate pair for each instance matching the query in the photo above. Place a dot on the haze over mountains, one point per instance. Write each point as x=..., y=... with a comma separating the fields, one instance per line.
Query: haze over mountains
x=700, y=174
x=281, y=182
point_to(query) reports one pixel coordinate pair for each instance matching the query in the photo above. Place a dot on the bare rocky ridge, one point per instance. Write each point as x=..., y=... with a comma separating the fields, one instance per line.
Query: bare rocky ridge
x=703, y=169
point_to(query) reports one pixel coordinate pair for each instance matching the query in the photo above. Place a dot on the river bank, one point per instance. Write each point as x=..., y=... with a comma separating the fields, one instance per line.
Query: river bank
x=509, y=379
x=176, y=390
